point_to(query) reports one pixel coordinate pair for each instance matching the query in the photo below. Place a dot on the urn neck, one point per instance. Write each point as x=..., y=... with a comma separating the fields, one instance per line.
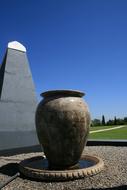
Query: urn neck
x=73, y=93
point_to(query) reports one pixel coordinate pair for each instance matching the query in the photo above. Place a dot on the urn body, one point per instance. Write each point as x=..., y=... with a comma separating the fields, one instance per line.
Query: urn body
x=62, y=124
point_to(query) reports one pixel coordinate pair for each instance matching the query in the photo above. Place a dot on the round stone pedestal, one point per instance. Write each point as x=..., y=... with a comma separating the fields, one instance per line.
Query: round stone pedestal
x=37, y=168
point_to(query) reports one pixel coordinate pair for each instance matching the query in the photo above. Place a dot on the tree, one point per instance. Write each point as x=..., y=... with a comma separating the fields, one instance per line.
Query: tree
x=110, y=122
x=96, y=122
x=125, y=120
x=103, y=120
x=115, y=121
x=120, y=121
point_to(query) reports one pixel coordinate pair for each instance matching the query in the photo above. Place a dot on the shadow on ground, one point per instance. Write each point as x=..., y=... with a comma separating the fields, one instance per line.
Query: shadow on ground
x=9, y=169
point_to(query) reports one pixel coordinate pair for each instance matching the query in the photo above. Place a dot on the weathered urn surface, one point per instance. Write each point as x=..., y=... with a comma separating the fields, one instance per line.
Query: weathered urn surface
x=62, y=123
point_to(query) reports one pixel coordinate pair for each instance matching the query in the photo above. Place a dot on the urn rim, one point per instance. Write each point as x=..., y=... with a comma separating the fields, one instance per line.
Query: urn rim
x=75, y=93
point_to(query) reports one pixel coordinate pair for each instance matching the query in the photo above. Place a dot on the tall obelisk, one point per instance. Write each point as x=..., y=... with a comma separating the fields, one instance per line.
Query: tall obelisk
x=17, y=99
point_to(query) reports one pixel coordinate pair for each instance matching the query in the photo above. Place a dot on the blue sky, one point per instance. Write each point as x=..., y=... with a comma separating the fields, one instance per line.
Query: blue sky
x=73, y=44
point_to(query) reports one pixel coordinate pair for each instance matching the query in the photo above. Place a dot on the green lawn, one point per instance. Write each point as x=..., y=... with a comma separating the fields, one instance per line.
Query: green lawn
x=112, y=134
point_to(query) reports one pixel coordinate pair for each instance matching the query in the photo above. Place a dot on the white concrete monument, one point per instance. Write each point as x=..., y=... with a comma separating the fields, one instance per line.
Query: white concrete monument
x=17, y=99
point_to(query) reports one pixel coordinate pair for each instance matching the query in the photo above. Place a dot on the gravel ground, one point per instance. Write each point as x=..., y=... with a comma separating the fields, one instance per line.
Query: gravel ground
x=114, y=175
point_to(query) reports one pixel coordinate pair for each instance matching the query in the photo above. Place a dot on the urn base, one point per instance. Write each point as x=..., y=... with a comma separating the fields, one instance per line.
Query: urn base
x=37, y=168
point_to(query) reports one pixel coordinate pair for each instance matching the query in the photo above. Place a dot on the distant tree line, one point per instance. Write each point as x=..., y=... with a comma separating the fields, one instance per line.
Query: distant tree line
x=115, y=121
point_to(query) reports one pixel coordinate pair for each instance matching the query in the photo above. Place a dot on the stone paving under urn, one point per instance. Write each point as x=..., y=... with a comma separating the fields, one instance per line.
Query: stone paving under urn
x=113, y=175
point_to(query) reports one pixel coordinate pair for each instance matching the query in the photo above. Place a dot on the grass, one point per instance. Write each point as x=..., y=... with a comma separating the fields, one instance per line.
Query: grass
x=112, y=134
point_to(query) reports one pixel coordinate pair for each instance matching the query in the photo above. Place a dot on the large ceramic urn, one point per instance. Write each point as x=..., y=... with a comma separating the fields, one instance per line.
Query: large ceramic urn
x=62, y=123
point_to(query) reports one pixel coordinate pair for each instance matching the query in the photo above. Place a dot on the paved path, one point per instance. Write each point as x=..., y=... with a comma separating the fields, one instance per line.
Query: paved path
x=113, y=128
x=113, y=176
